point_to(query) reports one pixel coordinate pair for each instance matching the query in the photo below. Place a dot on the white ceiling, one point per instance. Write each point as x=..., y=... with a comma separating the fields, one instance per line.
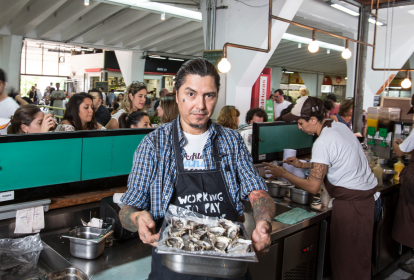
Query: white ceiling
x=106, y=25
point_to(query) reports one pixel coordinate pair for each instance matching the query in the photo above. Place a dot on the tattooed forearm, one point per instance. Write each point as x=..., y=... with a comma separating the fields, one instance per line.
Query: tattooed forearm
x=318, y=171
x=125, y=218
x=263, y=206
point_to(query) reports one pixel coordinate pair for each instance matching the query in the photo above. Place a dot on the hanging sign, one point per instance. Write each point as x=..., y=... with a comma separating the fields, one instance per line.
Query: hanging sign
x=269, y=110
x=262, y=92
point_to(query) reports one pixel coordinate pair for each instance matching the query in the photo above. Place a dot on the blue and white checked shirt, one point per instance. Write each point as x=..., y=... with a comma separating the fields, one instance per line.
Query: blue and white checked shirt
x=151, y=181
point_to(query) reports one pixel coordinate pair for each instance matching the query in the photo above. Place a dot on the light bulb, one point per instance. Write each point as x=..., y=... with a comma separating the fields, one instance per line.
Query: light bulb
x=86, y=2
x=299, y=45
x=163, y=16
x=406, y=83
x=328, y=51
x=346, y=53
x=224, y=65
x=313, y=47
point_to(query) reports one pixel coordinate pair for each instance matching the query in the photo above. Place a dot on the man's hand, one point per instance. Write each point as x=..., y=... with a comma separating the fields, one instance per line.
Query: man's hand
x=274, y=170
x=146, y=228
x=293, y=161
x=261, y=236
x=264, y=210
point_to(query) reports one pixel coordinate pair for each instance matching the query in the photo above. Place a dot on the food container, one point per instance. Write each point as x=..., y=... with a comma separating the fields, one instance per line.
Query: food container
x=70, y=273
x=301, y=196
x=87, y=242
x=275, y=189
x=207, y=265
x=388, y=174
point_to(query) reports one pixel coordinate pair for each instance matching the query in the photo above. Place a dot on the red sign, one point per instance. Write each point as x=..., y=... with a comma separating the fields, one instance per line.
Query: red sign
x=263, y=92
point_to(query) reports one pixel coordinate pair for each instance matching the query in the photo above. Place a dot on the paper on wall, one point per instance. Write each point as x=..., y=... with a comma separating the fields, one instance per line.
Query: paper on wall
x=29, y=220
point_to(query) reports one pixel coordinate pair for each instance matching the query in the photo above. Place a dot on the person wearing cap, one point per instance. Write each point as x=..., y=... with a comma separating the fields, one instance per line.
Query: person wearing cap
x=338, y=161
x=403, y=226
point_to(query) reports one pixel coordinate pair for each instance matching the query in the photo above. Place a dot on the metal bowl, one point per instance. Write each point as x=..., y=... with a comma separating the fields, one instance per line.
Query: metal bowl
x=388, y=174
x=87, y=242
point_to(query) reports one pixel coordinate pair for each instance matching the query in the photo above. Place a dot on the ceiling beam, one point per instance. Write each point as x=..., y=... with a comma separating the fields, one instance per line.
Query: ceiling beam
x=62, y=18
x=166, y=37
x=9, y=9
x=193, y=48
x=34, y=13
x=187, y=46
x=153, y=32
x=180, y=40
x=133, y=29
x=113, y=25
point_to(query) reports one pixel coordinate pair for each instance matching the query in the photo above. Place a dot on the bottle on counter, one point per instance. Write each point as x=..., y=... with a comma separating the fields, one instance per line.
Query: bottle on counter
x=398, y=167
x=378, y=171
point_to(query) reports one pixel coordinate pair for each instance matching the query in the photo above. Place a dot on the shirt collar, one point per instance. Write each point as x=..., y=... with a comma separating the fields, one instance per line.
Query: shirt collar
x=212, y=129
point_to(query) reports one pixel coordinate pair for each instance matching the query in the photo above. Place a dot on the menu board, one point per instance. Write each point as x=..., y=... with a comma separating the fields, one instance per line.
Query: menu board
x=213, y=56
x=101, y=84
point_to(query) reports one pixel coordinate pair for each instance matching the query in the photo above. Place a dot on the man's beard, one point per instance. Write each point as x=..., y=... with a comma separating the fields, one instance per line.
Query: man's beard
x=198, y=126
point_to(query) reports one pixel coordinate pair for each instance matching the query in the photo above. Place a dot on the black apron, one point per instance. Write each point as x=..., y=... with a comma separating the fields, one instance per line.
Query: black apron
x=202, y=191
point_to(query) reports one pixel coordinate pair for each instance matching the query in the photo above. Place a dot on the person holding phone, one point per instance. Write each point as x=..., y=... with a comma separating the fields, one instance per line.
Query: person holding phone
x=30, y=119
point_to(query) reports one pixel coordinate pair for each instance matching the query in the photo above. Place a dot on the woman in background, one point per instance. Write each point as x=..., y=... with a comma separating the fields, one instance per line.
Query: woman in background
x=168, y=109
x=229, y=117
x=134, y=120
x=135, y=97
x=79, y=114
x=345, y=113
x=30, y=119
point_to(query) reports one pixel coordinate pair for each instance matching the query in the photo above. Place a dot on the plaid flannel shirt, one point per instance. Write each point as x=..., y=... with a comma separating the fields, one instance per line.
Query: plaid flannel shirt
x=151, y=181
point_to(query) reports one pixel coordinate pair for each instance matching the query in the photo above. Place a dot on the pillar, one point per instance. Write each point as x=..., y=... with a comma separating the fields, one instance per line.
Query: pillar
x=241, y=24
x=10, y=58
x=350, y=65
x=311, y=81
x=411, y=63
x=276, y=78
x=132, y=65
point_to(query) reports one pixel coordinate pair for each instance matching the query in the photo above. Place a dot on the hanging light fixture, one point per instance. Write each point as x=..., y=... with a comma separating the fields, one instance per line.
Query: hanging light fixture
x=299, y=45
x=346, y=52
x=313, y=47
x=163, y=16
x=224, y=65
x=328, y=51
x=86, y=2
x=406, y=83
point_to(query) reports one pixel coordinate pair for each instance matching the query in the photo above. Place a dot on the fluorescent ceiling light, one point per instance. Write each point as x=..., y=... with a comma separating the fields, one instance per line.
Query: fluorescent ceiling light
x=288, y=72
x=177, y=59
x=346, y=10
x=299, y=39
x=153, y=6
x=371, y=20
x=157, y=57
x=411, y=12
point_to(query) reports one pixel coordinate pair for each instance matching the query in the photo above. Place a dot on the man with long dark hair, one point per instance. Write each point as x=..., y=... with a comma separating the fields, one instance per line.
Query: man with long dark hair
x=102, y=114
x=203, y=158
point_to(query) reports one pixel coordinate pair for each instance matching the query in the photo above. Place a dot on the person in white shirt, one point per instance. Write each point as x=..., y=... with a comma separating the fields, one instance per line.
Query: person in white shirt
x=58, y=97
x=8, y=105
x=279, y=103
x=38, y=93
x=339, y=162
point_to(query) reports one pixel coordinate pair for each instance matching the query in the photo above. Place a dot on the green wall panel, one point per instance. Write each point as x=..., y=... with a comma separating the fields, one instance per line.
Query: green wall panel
x=39, y=163
x=108, y=156
x=278, y=138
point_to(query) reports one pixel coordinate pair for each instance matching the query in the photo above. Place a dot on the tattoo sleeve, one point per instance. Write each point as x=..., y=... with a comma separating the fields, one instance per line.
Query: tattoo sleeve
x=318, y=171
x=263, y=206
x=125, y=218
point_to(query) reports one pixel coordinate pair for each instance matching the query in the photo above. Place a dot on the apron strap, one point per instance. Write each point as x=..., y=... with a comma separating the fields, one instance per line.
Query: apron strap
x=177, y=149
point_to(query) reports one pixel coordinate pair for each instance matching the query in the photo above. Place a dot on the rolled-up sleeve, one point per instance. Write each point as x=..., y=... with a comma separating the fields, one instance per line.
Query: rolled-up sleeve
x=247, y=174
x=139, y=180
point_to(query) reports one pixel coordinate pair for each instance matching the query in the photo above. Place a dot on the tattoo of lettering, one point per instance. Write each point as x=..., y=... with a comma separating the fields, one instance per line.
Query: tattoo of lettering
x=318, y=171
x=183, y=100
x=263, y=206
x=125, y=218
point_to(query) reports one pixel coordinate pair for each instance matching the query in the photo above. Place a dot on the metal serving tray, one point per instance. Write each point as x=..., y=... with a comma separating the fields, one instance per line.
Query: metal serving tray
x=70, y=273
x=301, y=196
x=207, y=265
x=275, y=189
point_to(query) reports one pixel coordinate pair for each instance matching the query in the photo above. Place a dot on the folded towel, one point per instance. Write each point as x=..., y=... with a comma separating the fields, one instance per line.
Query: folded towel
x=294, y=216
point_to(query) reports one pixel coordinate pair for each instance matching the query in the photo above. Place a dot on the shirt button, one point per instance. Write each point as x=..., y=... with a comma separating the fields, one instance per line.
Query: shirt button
x=166, y=197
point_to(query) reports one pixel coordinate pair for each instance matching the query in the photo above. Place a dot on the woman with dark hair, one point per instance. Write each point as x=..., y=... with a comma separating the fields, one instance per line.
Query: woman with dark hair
x=30, y=119
x=345, y=113
x=134, y=120
x=79, y=114
x=32, y=95
x=229, y=117
x=135, y=98
x=168, y=109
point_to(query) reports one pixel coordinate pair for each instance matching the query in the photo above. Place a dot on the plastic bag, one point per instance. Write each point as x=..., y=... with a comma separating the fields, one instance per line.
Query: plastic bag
x=19, y=255
x=175, y=211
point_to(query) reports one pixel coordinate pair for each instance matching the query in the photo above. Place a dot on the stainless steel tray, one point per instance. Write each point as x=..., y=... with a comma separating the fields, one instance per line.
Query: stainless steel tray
x=207, y=265
x=276, y=190
x=301, y=196
x=70, y=273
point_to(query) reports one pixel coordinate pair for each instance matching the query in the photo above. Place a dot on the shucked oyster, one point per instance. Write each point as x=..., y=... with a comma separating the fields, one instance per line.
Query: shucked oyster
x=175, y=242
x=191, y=225
x=226, y=223
x=221, y=243
x=177, y=232
x=233, y=232
x=197, y=233
x=200, y=244
x=239, y=246
x=178, y=223
x=195, y=246
x=213, y=232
